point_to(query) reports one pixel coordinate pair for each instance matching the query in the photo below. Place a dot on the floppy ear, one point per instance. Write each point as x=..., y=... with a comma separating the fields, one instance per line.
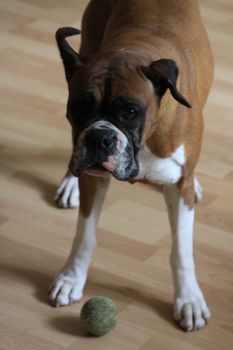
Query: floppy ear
x=70, y=58
x=163, y=74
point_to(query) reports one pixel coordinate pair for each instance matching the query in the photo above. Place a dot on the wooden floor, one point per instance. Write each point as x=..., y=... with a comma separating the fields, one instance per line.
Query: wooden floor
x=131, y=261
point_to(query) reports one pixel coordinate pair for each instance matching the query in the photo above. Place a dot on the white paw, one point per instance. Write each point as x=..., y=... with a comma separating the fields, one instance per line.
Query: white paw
x=66, y=290
x=67, y=195
x=191, y=312
x=198, y=190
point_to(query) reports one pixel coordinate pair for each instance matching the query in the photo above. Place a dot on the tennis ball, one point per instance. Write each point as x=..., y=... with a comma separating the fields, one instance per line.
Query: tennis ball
x=99, y=315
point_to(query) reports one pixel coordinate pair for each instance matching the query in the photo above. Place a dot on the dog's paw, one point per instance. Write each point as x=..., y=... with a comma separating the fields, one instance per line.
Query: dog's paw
x=192, y=312
x=198, y=190
x=67, y=195
x=65, y=290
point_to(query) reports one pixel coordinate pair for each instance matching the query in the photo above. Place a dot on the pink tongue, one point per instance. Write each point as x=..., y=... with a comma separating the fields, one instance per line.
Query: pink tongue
x=110, y=164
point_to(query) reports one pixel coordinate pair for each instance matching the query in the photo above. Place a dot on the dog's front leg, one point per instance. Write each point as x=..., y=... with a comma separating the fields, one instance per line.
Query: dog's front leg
x=68, y=286
x=67, y=193
x=190, y=308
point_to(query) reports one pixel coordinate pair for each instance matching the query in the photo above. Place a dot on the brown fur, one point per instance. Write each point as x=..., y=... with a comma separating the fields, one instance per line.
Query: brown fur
x=146, y=31
x=88, y=187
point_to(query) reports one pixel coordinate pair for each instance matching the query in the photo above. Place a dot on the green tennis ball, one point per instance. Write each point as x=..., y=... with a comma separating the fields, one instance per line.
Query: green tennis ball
x=99, y=315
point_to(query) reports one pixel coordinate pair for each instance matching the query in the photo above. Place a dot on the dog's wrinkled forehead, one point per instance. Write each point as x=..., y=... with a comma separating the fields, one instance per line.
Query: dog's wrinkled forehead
x=116, y=92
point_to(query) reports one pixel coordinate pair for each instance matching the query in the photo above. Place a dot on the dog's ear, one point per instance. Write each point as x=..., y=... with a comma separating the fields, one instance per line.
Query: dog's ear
x=163, y=74
x=70, y=58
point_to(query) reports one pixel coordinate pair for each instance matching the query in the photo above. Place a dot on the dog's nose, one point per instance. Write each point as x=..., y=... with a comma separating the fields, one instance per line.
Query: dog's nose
x=104, y=139
x=107, y=141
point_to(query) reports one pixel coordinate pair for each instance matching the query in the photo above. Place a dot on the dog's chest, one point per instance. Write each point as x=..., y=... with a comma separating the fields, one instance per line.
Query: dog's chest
x=160, y=170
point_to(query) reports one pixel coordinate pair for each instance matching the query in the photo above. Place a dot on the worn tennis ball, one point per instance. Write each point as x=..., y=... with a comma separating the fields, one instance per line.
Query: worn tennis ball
x=99, y=315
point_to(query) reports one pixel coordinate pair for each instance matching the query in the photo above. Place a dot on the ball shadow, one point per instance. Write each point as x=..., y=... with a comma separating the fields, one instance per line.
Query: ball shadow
x=70, y=325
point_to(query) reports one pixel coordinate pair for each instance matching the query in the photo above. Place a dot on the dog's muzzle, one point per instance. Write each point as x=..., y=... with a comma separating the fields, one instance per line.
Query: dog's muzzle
x=102, y=147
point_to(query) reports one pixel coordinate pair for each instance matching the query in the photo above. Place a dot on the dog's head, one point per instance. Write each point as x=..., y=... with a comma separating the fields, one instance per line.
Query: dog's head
x=112, y=106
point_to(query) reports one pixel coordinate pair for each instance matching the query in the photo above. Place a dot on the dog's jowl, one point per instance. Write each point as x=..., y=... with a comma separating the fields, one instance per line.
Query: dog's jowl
x=137, y=89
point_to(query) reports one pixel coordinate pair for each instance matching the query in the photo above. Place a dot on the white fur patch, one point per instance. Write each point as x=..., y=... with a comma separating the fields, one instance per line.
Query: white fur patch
x=198, y=190
x=67, y=194
x=68, y=286
x=190, y=308
x=161, y=170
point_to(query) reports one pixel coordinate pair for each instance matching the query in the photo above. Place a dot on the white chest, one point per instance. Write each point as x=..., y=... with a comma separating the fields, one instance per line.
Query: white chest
x=161, y=170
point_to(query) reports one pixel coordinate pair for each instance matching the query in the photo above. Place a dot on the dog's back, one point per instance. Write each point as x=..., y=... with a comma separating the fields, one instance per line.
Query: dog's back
x=172, y=29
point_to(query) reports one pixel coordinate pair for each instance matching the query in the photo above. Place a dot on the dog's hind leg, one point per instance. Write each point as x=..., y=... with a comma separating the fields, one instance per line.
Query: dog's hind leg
x=67, y=194
x=198, y=190
x=68, y=286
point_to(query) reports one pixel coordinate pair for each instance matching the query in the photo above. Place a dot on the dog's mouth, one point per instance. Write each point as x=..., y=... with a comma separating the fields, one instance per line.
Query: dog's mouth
x=107, y=166
x=101, y=150
x=96, y=169
x=123, y=171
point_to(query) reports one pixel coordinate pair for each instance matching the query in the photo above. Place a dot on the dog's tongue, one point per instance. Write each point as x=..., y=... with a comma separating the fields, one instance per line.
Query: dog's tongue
x=110, y=164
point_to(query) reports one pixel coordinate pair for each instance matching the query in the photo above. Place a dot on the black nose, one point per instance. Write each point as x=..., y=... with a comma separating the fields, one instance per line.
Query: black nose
x=103, y=139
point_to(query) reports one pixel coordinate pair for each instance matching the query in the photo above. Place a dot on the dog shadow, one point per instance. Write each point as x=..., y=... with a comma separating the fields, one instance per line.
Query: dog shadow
x=26, y=173
x=133, y=293
x=71, y=325
x=47, y=189
x=41, y=281
x=29, y=276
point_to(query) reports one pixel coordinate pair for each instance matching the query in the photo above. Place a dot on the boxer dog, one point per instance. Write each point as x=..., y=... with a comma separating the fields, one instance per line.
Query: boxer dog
x=137, y=89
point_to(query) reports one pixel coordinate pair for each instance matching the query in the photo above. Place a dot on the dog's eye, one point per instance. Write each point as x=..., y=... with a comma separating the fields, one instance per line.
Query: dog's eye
x=130, y=113
x=127, y=111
